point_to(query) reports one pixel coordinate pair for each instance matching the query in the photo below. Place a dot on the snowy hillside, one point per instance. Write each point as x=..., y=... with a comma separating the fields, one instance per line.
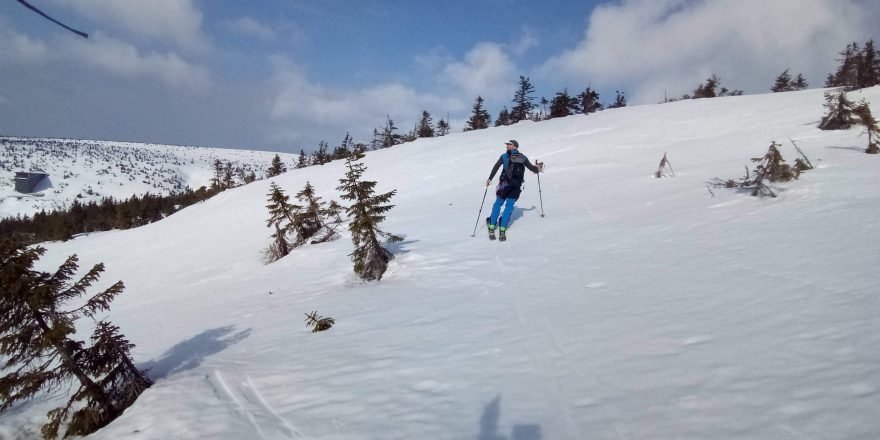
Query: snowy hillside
x=90, y=170
x=638, y=308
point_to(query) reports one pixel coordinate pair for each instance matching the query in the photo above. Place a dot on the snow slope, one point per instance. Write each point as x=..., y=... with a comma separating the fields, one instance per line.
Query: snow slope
x=88, y=170
x=638, y=308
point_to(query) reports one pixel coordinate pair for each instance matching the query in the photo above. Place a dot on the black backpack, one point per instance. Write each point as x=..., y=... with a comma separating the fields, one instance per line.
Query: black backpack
x=516, y=169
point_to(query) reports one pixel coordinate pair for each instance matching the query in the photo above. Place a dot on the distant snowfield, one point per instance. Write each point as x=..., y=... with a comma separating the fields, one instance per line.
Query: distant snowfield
x=638, y=308
x=87, y=170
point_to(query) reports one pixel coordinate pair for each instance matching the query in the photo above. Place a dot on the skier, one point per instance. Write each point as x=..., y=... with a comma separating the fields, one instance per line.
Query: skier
x=509, y=186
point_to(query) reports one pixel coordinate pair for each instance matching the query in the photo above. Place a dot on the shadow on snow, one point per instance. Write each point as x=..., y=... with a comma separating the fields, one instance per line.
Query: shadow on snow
x=191, y=352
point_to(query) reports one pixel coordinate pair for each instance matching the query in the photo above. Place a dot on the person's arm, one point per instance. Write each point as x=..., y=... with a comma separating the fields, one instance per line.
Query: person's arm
x=494, y=170
x=533, y=168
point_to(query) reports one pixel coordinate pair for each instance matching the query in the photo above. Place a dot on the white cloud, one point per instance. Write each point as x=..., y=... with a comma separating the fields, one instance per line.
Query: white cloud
x=303, y=103
x=652, y=46
x=528, y=39
x=123, y=59
x=487, y=71
x=19, y=48
x=177, y=21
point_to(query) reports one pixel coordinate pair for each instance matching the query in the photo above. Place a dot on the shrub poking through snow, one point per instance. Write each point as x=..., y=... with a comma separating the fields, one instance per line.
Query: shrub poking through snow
x=366, y=212
x=864, y=117
x=662, y=169
x=840, y=112
x=40, y=353
x=770, y=168
x=318, y=323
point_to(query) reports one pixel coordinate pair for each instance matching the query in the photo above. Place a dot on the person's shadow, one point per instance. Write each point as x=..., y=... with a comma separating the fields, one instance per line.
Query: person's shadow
x=489, y=425
x=517, y=214
x=191, y=352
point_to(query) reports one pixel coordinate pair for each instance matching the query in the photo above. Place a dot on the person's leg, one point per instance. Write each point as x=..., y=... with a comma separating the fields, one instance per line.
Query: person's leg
x=496, y=210
x=508, y=211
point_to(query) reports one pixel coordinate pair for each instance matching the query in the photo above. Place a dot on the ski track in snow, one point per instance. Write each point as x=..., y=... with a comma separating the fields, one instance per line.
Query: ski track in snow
x=248, y=404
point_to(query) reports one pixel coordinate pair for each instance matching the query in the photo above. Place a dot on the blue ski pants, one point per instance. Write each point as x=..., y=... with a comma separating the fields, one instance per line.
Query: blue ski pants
x=496, y=209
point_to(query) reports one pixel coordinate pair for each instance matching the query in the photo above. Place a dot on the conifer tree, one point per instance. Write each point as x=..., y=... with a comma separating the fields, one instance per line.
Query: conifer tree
x=840, y=114
x=321, y=156
x=442, y=127
x=523, y=101
x=334, y=211
x=345, y=148
x=707, y=90
x=863, y=113
x=619, y=100
x=37, y=348
x=219, y=171
x=589, y=101
x=366, y=212
x=503, y=118
x=847, y=74
x=389, y=136
x=303, y=160
x=308, y=221
x=376, y=143
x=276, y=168
x=868, y=71
x=800, y=83
x=479, y=116
x=563, y=105
x=228, y=180
x=783, y=82
x=425, y=125
x=544, y=102
x=282, y=218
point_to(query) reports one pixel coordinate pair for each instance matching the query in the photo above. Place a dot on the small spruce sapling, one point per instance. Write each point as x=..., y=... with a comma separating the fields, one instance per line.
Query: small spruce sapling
x=770, y=168
x=318, y=323
x=864, y=117
x=664, y=165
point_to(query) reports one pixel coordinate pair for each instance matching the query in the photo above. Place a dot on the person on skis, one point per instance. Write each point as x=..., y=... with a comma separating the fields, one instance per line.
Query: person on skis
x=509, y=187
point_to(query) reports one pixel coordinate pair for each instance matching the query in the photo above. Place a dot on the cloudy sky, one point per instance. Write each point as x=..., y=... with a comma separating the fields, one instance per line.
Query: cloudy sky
x=284, y=74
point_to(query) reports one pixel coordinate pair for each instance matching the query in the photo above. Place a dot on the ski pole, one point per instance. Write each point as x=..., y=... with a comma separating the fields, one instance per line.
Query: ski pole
x=540, y=197
x=481, y=211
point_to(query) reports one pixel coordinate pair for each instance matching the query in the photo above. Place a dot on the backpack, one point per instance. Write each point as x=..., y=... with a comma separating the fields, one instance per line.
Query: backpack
x=516, y=169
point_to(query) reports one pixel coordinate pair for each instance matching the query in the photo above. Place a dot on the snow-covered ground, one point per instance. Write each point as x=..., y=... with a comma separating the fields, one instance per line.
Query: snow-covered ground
x=638, y=308
x=88, y=170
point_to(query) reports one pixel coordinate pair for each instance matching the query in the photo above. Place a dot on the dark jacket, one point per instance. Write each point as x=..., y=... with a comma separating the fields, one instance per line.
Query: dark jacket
x=504, y=160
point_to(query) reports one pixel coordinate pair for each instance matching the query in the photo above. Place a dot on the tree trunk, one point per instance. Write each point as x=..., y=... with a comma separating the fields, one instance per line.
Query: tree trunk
x=67, y=359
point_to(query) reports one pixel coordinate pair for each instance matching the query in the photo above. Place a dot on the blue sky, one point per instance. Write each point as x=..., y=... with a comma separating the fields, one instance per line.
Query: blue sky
x=283, y=75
